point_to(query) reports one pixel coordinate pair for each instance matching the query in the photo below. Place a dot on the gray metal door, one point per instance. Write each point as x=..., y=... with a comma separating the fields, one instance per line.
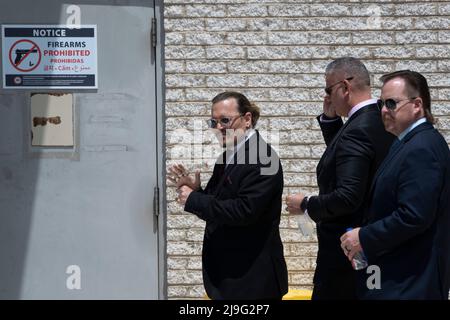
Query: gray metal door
x=84, y=215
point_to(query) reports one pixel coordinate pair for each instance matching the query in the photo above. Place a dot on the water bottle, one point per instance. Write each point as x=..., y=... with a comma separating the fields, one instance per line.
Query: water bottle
x=359, y=260
x=305, y=224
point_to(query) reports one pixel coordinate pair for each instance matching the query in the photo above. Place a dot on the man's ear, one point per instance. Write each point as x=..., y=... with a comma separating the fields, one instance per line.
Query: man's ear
x=418, y=106
x=248, y=119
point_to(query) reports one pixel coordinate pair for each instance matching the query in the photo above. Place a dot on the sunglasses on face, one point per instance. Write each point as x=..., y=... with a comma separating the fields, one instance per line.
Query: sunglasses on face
x=329, y=89
x=225, y=122
x=391, y=104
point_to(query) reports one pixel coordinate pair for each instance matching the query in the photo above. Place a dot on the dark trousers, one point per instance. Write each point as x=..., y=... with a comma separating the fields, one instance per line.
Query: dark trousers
x=334, y=284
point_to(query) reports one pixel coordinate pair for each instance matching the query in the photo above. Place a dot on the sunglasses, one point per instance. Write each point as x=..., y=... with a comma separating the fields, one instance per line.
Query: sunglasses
x=328, y=90
x=391, y=104
x=225, y=122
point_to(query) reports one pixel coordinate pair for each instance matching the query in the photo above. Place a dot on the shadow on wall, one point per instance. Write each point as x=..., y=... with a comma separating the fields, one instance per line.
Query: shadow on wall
x=19, y=172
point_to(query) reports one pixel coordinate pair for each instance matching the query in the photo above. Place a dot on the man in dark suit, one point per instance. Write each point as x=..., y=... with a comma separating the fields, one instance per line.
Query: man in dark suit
x=407, y=228
x=344, y=174
x=241, y=204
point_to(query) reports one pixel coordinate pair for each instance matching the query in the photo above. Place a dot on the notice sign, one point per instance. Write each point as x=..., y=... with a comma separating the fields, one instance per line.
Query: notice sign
x=49, y=56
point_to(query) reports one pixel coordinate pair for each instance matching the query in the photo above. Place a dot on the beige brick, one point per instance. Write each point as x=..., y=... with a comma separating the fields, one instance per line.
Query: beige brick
x=184, y=277
x=206, y=10
x=432, y=23
x=225, y=25
x=268, y=80
x=184, y=52
x=184, y=248
x=373, y=37
x=289, y=10
x=266, y=24
x=225, y=52
x=415, y=9
x=330, y=9
x=244, y=66
x=268, y=52
x=205, y=38
x=434, y=51
x=406, y=37
x=247, y=10
x=288, y=37
x=184, y=25
x=247, y=38
x=301, y=278
x=301, y=264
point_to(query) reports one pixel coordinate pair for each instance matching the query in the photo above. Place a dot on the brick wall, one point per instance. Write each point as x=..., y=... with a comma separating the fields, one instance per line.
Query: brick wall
x=275, y=52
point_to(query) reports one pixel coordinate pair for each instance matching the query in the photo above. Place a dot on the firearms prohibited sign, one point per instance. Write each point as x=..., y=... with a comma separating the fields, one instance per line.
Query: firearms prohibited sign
x=49, y=56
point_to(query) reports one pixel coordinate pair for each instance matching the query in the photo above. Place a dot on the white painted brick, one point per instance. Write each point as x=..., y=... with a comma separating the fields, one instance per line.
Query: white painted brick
x=171, y=11
x=267, y=80
x=317, y=151
x=291, y=109
x=310, y=52
x=373, y=9
x=288, y=37
x=288, y=66
x=289, y=10
x=393, y=52
x=195, y=234
x=227, y=24
x=268, y=52
x=247, y=10
x=444, y=8
x=373, y=37
x=444, y=36
x=330, y=37
x=177, y=263
x=225, y=52
x=184, y=277
x=247, y=38
x=266, y=24
x=354, y=23
x=301, y=278
x=341, y=51
x=289, y=94
x=300, y=165
x=184, y=25
x=438, y=79
x=198, y=10
x=330, y=10
x=205, y=38
x=174, y=94
x=307, y=80
x=399, y=23
x=416, y=9
x=184, y=248
x=309, y=23
x=432, y=23
x=184, y=52
x=416, y=37
x=173, y=38
x=444, y=65
x=245, y=66
x=176, y=234
x=440, y=108
x=184, y=80
x=417, y=65
x=303, y=263
x=174, y=66
x=201, y=94
x=381, y=66
x=300, y=136
x=291, y=123
x=295, y=152
x=229, y=80
x=306, y=249
x=195, y=263
x=441, y=94
x=183, y=221
x=433, y=51
x=443, y=124
x=206, y=67
x=295, y=179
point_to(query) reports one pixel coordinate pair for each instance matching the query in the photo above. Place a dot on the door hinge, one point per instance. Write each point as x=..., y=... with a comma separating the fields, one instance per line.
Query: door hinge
x=156, y=201
x=153, y=33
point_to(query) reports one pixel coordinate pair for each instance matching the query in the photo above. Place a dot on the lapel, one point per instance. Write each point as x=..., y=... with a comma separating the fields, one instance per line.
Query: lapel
x=339, y=133
x=395, y=150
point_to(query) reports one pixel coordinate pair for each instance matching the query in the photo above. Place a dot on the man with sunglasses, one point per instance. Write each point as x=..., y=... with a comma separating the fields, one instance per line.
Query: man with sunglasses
x=406, y=232
x=345, y=171
x=241, y=204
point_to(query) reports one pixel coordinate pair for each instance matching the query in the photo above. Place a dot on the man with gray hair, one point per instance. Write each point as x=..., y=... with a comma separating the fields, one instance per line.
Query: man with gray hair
x=345, y=171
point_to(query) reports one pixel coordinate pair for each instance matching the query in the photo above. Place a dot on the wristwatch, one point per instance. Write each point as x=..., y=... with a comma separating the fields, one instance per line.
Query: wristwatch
x=304, y=204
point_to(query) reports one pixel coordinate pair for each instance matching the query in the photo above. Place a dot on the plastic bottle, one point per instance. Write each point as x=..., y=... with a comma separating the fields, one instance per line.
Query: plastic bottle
x=305, y=224
x=359, y=260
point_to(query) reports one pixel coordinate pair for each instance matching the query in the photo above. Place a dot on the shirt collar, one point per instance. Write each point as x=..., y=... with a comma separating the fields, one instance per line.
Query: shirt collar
x=411, y=127
x=361, y=105
x=230, y=154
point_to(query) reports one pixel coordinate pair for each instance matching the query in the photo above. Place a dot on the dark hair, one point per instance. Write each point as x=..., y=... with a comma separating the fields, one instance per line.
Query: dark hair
x=416, y=86
x=244, y=105
x=350, y=67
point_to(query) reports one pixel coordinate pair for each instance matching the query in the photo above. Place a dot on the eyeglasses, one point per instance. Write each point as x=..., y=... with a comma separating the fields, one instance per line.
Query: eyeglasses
x=328, y=90
x=225, y=122
x=391, y=104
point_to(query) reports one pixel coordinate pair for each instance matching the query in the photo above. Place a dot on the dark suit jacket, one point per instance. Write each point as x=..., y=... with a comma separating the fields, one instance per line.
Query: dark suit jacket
x=242, y=250
x=408, y=235
x=344, y=174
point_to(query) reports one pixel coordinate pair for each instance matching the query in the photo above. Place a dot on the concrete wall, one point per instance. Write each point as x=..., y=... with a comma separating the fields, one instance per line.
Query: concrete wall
x=275, y=52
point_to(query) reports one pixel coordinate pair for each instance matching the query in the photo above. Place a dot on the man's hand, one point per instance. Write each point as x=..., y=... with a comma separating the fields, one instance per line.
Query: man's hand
x=350, y=243
x=293, y=202
x=183, y=194
x=178, y=177
x=328, y=109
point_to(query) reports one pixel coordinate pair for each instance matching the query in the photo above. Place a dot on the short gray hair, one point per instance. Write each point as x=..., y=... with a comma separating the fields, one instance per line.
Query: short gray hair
x=350, y=67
